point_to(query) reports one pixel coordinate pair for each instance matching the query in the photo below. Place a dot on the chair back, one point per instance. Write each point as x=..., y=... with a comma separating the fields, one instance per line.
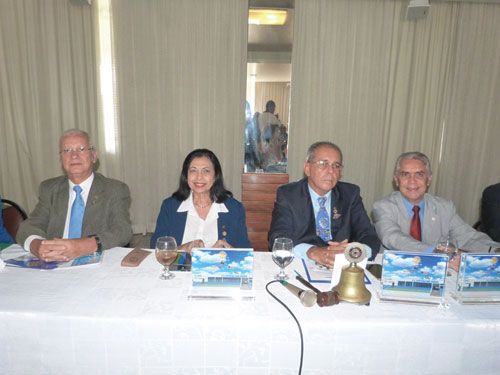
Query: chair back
x=13, y=215
x=258, y=194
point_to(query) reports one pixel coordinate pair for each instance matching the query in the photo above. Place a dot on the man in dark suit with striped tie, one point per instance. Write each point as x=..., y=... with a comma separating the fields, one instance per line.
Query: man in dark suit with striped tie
x=80, y=212
x=319, y=213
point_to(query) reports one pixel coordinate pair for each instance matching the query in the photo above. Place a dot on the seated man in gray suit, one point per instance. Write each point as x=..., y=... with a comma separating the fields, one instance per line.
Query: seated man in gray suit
x=412, y=220
x=78, y=213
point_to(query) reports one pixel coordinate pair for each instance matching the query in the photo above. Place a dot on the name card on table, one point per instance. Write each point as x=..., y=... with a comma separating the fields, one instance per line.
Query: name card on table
x=478, y=279
x=222, y=273
x=31, y=261
x=413, y=278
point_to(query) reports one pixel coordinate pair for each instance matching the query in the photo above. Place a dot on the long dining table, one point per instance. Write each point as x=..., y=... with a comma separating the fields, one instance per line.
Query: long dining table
x=110, y=319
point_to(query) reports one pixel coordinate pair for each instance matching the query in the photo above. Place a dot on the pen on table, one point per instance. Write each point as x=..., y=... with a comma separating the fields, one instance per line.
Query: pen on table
x=306, y=283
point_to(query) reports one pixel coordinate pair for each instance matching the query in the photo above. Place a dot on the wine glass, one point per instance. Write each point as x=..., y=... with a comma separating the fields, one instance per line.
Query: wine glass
x=166, y=252
x=448, y=246
x=282, y=255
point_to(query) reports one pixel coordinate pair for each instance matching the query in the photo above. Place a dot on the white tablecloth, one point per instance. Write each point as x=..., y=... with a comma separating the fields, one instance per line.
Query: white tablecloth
x=108, y=319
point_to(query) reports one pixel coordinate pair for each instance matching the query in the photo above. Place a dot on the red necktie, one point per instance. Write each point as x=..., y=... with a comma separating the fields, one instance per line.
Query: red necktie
x=415, y=228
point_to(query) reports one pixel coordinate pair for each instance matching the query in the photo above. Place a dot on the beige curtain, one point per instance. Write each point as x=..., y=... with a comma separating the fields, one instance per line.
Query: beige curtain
x=363, y=77
x=279, y=92
x=47, y=85
x=180, y=81
x=178, y=76
x=470, y=158
x=378, y=85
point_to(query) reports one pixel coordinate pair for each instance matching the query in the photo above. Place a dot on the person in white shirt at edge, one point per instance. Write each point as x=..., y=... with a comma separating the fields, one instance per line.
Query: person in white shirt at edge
x=202, y=212
x=105, y=220
x=438, y=217
x=265, y=120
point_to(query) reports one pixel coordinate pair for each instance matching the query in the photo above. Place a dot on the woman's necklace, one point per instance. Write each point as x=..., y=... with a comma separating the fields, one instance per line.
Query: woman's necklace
x=200, y=206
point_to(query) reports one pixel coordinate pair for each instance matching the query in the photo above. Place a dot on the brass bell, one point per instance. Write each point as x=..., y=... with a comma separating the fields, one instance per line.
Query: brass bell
x=351, y=286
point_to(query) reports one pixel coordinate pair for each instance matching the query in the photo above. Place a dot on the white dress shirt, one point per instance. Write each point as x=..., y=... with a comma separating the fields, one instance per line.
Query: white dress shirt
x=197, y=228
x=85, y=185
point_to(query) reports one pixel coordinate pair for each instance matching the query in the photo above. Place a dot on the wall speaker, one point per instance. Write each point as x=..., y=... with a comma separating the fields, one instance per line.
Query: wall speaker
x=417, y=9
x=81, y=2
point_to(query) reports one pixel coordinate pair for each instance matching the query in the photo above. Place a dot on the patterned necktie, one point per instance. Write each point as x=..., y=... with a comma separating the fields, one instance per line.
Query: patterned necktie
x=415, y=228
x=76, y=218
x=323, y=221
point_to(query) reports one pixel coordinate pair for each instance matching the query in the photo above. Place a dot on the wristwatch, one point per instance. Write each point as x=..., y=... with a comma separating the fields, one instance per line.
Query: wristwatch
x=98, y=241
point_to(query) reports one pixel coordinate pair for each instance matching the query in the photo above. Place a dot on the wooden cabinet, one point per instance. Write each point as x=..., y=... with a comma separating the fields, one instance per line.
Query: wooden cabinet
x=258, y=193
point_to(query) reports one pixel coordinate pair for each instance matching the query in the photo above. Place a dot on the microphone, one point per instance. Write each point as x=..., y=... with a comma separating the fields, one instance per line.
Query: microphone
x=322, y=298
x=307, y=297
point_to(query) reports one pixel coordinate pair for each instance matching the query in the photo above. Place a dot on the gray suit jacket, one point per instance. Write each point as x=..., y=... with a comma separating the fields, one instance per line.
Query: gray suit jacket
x=392, y=224
x=106, y=212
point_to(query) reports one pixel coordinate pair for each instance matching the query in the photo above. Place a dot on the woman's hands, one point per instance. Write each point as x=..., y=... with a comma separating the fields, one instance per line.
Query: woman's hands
x=222, y=244
x=188, y=246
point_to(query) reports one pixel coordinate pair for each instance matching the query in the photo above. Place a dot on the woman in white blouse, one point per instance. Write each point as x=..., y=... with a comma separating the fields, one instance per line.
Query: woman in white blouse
x=202, y=213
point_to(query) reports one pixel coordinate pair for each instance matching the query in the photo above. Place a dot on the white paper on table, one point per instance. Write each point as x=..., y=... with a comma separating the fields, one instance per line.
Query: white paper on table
x=317, y=273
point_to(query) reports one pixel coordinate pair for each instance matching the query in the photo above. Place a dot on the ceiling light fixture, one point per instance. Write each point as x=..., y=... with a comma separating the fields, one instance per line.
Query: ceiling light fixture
x=267, y=17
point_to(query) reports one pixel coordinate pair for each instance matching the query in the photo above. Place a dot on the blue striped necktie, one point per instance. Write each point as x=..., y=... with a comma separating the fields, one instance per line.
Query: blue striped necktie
x=77, y=211
x=323, y=221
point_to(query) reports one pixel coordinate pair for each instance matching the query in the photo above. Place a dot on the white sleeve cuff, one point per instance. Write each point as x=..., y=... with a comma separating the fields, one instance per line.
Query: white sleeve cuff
x=301, y=249
x=30, y=239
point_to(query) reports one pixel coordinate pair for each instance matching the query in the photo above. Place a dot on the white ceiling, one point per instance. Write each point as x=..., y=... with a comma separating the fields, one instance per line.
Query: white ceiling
x=264, y=72
x=270, y=47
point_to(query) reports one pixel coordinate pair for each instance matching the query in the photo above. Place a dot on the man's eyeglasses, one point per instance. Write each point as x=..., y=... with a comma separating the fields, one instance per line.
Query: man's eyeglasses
x=78, y=150
x=324, y=164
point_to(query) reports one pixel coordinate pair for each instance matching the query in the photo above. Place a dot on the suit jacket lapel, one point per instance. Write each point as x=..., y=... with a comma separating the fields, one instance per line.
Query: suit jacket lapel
x=93, y=203
x=431, y=229
x=337, y=207
x=404, y=217
x=61, y=200
x=308, y=211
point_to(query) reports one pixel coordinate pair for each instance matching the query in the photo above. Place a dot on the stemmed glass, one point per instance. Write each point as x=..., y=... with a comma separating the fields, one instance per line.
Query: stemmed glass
x=448, y=246
x=166, y=252
x=282, y=255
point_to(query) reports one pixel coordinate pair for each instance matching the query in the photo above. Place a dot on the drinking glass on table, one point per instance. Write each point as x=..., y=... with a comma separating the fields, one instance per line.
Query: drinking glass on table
x=166, y=252
x=448, y=246
x=282, y=255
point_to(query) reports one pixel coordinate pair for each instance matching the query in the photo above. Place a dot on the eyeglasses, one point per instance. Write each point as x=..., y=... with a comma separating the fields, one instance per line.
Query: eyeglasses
x=324, y=164
x=78, y=150
x=420, y=175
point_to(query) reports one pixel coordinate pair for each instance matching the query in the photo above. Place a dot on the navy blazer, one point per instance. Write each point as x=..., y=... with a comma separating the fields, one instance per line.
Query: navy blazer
x=231, y=225
x=4, y=235
x=293, y=216
x=490, y=212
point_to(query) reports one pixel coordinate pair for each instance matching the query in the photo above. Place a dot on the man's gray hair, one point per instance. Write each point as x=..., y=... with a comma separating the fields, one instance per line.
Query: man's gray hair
x=69, y=132
x=312, y=150
x=414, y=155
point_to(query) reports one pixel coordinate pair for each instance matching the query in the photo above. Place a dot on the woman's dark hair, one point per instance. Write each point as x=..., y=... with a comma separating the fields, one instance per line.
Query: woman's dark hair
x=218, y=192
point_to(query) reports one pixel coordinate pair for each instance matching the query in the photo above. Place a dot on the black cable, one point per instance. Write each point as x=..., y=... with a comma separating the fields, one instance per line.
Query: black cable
x=296, y=321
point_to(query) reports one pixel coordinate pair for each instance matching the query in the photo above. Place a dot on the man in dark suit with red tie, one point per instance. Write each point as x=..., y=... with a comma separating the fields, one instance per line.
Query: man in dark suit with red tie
x=412, y=220
x=319, y=213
